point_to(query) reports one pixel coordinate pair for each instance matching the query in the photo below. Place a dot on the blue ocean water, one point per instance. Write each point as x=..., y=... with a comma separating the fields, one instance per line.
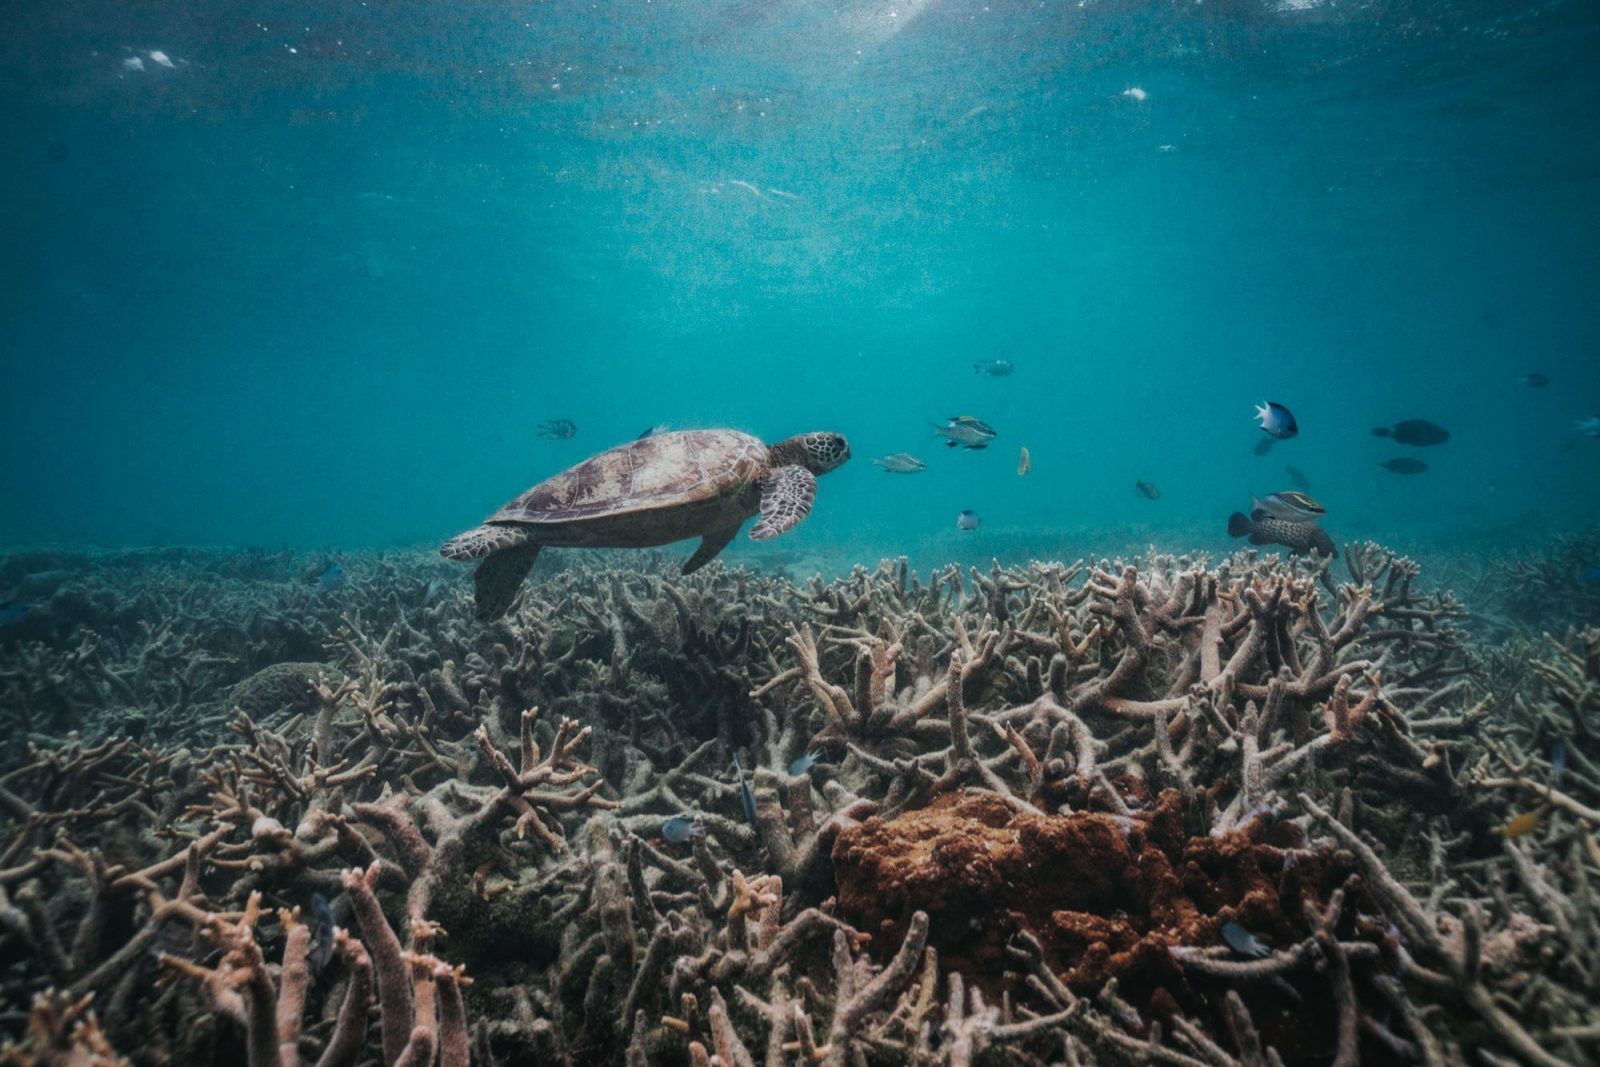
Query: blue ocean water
x=313, y=274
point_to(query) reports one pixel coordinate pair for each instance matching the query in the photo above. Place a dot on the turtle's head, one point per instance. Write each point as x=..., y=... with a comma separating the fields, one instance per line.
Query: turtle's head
x=817, y=452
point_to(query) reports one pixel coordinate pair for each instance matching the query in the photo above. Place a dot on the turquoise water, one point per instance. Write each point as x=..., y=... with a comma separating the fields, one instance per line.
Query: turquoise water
x=318, y=281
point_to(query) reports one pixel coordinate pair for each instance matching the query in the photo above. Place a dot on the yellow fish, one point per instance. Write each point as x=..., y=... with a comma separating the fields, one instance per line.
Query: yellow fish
x=1025, y=464
x=1523, y=824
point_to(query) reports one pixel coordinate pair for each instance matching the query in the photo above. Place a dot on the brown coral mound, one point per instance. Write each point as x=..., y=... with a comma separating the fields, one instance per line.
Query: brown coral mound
x=1107, y=896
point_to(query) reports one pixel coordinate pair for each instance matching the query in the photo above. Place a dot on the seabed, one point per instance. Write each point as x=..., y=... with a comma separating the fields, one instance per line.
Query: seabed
x=1164, y=810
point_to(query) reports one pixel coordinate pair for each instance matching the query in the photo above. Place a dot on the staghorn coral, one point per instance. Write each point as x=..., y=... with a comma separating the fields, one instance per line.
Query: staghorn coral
x=1212, y=741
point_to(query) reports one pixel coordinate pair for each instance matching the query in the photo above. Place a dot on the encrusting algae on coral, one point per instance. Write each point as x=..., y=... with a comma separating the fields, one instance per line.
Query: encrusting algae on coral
x=1149, y=810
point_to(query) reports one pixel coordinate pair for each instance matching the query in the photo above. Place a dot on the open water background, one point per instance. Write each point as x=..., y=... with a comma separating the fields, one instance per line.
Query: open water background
x=318, y=281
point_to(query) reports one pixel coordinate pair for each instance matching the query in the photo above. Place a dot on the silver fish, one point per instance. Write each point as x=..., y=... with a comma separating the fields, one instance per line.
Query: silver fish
x=901, y=463
x=967, y=520
x=994, y=368
x=966, y=432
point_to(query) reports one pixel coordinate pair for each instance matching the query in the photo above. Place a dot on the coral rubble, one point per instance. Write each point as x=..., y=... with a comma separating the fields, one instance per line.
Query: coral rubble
x=1148, y=810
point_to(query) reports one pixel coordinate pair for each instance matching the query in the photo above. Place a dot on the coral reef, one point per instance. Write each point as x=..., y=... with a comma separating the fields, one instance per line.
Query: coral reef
x=1152, y=810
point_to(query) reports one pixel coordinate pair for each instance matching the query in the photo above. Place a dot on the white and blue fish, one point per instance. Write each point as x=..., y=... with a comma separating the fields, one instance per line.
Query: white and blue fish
x=1277, y=420
x=680, y=830
x=747, y=799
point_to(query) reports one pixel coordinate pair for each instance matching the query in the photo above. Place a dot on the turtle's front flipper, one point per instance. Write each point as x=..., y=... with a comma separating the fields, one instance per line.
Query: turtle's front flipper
x=498, y=578
x=786, y=496
x=713, y=542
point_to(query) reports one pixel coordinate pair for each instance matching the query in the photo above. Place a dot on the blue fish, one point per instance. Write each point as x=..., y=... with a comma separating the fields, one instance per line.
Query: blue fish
x=681, y=830
x=1277, y=420
x=332, y=578
x=746, y=798
x=1244, y=942
x=1558, y=763
x=13, y=612
x=804, y=763
x=1591, y=575
x=322, y=933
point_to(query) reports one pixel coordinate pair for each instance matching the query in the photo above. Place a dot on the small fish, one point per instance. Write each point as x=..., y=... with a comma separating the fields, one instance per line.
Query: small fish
x=133, y=63
x=966, y=431
x=1589, y=427
x=1299, y=537
x=1277, y=420
x=1263, y=446
x=1419, y=433
x=1558, y=763
x=746, y=798
x=901, y=463
x=994, y=368
x=967, y=520
x=1404, y=466
x=655, y=431
x=323, y=930
x=1148, y=489
x=1288, y=505
x=1524, y=824
x=1591, y=575
x=161, y=59
x=1298, y=477
x=681, y=830
x=558, y=428
x=13, y=612
x=1533, y=381
x=1133, y=92
x=1024, y=462
x=1244, y=942
x=332, y=577
x=805, y=763
x=434, y=591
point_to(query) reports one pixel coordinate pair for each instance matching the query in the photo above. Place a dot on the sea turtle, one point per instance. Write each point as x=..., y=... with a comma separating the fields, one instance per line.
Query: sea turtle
x=688, y=483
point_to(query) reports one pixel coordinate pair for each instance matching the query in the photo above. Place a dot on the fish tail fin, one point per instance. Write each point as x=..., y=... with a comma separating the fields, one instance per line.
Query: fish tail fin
x=1238, y=524
x=1382, y=431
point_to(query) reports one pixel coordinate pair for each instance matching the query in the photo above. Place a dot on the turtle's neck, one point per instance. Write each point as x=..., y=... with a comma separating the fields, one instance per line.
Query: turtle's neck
x=789, y=452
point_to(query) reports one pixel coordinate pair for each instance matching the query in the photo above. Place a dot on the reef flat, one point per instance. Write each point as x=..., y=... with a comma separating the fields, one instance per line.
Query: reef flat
x=261, y=810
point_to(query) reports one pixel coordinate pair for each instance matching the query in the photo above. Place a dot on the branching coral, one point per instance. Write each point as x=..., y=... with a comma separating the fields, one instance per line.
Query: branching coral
x=1041, y=793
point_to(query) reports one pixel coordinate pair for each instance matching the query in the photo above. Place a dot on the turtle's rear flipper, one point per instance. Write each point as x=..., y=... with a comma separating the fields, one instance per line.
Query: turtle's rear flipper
x=482, y=540
x=498, y=578
x=713, y=542
x=786, y=497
